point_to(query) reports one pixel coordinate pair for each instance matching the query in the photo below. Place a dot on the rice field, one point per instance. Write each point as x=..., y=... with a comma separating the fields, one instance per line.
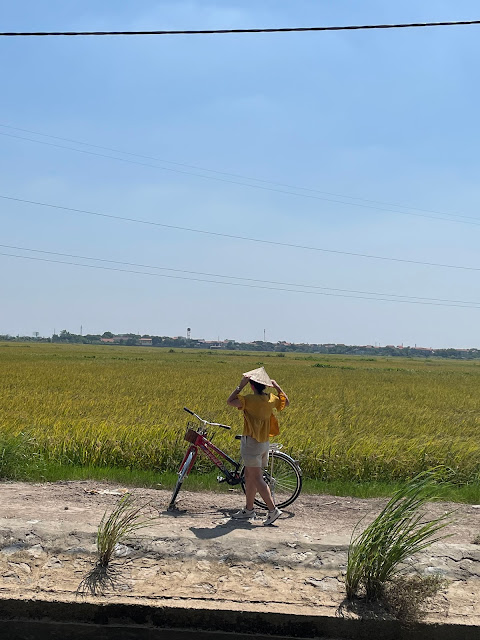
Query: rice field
x=351, y=418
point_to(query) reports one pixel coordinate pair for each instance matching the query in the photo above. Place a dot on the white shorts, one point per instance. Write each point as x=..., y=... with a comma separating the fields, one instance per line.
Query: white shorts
x=254, y=453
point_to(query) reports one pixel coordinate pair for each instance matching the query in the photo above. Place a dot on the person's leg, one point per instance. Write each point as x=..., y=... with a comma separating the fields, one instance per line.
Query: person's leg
x=250, y=487
x=257, y=483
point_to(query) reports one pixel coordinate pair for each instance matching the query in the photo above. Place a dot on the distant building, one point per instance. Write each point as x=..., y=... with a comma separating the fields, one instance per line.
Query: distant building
x=117, y=339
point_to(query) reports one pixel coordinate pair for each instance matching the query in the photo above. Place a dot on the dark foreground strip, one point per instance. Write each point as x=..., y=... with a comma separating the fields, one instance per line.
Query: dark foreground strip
x=27, y=619
x=27, y=630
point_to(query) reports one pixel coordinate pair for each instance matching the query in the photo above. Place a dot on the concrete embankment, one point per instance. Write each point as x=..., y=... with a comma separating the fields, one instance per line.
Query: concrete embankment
x=201, y=571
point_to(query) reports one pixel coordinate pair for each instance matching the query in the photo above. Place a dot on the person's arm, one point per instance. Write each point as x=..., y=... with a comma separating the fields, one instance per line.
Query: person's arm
x=233, y=400
x=278, y=388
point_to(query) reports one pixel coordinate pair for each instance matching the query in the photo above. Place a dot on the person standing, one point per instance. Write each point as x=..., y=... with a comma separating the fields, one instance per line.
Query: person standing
x=259, y=423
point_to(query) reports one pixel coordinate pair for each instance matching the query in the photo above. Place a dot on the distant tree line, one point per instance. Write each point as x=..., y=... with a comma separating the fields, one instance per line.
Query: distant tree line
x=6, y=337
x=132, y=339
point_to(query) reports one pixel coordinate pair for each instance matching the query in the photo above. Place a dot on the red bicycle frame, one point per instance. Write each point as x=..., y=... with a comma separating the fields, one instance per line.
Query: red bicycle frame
x=212, y=452
x=198, y=440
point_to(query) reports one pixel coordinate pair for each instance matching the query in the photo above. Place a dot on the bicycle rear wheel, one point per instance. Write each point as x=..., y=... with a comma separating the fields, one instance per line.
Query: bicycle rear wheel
x=283, y=476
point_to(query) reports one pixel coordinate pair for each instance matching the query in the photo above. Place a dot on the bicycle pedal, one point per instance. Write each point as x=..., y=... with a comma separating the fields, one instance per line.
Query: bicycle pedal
x=221, y=479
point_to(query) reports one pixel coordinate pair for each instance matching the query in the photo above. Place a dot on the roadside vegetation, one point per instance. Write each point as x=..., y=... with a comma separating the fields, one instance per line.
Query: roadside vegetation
x=125, y=519
x=357, y=425
x=377, y=554
x=381, y=557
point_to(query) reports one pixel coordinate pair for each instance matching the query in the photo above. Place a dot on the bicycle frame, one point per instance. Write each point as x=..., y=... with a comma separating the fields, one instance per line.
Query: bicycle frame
x=214, y=454
x=198, y=441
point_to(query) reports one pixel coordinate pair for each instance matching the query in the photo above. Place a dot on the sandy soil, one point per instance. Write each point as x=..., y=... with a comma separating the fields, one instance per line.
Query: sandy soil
x=47, y=545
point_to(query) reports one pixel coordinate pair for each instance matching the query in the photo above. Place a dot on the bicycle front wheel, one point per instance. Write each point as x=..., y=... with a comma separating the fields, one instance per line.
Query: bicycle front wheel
x=283, y=476
x=184, y=470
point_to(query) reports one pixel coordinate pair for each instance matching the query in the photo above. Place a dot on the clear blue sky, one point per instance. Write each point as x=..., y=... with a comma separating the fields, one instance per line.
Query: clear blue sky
x=389, y=116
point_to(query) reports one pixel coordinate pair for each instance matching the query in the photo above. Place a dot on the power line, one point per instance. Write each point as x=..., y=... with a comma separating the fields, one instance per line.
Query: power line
x=241, y=177
x=239, y=284
x=409, y=25
x=467, y=220
x=238, y=237
x=219, y=275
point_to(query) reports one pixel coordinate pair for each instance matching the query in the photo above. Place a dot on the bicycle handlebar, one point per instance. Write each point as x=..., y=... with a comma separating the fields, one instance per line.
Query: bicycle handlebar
x=219, y=424
x=213, y=424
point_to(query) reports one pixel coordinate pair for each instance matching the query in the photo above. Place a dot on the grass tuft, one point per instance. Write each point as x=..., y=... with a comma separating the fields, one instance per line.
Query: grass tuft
x=398, y=532
x=126, y=518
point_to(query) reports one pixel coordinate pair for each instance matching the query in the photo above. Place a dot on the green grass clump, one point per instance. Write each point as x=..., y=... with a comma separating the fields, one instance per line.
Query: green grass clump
x=126, y=518
x=20, y=458
x=398, y=532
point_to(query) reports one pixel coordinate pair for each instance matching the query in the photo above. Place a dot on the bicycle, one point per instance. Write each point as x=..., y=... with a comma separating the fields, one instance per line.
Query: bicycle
x=282, y=473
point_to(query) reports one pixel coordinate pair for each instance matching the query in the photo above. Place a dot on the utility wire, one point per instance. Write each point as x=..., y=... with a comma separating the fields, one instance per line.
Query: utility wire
x=241, y=177
x=238, y=284
x=238, y=237
x=227, y=31
x=219, y=275
x=253, y=186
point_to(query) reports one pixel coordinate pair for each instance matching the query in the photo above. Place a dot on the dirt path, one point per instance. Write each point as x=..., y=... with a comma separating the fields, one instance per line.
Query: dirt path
x=47, y=542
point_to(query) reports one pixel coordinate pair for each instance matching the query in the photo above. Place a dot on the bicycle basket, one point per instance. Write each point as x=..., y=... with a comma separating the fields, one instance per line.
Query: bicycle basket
x=191, y=435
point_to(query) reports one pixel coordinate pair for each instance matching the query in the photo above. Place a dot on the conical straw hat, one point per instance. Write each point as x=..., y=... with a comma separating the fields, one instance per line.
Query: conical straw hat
x=259, y=375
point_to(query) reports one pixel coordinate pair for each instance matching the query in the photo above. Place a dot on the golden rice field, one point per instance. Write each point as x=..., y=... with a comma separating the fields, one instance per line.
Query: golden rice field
x=351, y=418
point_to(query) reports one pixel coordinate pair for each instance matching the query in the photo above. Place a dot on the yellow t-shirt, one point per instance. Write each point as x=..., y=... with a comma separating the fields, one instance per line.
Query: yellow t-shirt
x=257, y=410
